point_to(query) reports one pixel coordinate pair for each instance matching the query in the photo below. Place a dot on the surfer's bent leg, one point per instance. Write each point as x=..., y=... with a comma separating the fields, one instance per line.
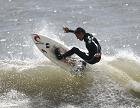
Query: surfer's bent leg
x=75, y=50
x=87, y=58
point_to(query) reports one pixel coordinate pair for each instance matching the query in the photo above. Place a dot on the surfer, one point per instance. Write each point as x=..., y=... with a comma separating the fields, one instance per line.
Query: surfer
x=92, y=45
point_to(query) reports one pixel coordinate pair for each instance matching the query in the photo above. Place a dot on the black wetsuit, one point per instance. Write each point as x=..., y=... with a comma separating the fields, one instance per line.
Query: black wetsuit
x=92, y=46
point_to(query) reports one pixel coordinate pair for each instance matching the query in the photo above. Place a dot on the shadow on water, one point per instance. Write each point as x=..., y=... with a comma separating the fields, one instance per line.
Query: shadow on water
x=47, y=82
x=136, y=94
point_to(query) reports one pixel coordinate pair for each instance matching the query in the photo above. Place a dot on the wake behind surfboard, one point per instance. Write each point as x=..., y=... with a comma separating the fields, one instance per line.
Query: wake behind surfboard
x=47, y=47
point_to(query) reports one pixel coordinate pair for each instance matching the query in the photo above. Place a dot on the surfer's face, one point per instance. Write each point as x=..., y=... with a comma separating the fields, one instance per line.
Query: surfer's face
x=80, y=36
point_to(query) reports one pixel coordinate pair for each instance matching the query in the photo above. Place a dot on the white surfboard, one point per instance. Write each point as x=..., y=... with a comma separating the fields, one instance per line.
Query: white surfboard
x=47, y=47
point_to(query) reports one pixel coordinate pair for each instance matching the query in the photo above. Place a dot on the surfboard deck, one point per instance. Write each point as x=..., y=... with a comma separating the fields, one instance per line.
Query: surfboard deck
x=47, y=47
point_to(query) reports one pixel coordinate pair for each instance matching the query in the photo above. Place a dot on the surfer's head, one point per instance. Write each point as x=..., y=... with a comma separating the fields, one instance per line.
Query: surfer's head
x=80, y=32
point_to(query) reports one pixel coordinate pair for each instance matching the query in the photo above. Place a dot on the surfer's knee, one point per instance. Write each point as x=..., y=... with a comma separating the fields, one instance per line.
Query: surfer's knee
x=75, y=49
x=94, y=61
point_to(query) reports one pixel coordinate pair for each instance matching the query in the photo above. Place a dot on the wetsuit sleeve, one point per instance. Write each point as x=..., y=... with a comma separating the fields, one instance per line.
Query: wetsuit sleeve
x=71, y=31
x=99, y=47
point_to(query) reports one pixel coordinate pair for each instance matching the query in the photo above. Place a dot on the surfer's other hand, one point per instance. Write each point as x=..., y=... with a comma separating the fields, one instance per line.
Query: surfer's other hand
x=66, y=29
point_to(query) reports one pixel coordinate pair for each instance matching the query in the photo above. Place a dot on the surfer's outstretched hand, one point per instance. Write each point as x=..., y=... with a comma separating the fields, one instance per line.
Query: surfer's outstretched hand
x=66, y=29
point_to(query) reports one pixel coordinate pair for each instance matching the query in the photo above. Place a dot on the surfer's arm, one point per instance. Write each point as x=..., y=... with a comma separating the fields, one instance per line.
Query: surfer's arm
x=67, y=30
x=71, y=31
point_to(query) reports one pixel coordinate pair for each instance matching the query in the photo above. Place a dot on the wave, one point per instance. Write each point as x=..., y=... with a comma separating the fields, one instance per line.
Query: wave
x=44, y=78
x=47, y=79
x=124, y=69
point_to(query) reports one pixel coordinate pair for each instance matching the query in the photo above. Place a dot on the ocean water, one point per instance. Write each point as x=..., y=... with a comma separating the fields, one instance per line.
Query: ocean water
x=30, y=80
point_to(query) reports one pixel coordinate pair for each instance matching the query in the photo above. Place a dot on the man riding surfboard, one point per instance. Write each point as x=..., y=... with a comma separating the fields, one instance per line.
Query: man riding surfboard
x=92, y=45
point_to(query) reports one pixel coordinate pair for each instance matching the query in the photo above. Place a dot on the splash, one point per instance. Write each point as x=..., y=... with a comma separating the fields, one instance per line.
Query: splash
x=124, y=68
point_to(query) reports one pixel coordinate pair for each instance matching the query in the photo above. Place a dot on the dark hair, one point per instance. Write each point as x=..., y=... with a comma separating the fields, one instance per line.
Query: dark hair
x=79, y=29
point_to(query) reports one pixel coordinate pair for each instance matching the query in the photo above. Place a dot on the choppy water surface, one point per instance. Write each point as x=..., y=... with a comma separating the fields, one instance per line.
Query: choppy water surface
x=29, y=80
